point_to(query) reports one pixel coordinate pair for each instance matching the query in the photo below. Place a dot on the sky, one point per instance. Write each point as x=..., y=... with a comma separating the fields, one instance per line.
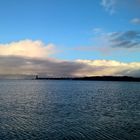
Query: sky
x=70, y=37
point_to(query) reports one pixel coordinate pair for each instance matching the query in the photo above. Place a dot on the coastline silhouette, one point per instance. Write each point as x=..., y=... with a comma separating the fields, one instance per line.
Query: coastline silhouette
x=93, y=78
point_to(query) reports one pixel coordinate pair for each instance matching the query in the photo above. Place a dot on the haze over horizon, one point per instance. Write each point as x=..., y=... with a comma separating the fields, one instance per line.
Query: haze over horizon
x=70, y=38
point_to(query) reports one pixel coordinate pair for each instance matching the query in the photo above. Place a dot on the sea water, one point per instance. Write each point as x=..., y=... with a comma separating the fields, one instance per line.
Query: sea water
x=69, y=110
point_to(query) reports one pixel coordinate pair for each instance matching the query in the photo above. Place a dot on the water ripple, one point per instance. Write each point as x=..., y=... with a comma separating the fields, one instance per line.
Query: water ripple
x=69, y=110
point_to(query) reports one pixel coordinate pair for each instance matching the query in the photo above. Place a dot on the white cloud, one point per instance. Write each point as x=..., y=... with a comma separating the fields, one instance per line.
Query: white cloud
x=109, y=5
x=27, y=48
x=135, y=21
x=97, y=30
x=32, y=57
x=110, y=67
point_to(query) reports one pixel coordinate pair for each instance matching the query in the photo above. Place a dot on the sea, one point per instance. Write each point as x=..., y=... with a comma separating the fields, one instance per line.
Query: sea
x=69, y=110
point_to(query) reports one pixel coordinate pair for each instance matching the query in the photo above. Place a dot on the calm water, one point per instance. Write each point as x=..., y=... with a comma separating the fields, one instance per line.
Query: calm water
x=69, y=110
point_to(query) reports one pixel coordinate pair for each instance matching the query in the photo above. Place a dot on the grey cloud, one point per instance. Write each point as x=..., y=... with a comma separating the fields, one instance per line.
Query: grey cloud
x=49, y=67
x=126, y=39
x=128, y=72
x=13, y=65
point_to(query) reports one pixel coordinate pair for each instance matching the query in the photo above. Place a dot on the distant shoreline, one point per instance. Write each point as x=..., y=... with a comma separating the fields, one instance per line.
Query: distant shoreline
x=93, y=78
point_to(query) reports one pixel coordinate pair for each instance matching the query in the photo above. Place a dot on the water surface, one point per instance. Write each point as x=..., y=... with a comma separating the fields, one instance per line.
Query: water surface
x=69, y=110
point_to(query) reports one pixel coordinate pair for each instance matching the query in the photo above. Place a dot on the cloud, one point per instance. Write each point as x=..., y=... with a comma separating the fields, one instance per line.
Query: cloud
x=61, y=68
x=135, y=21
x=27, y=48
x=97, y=30
x=32, y=57
x=31, y=66
x=114, y=44
x=127, y=39
x=111, y=67
x=109, y=5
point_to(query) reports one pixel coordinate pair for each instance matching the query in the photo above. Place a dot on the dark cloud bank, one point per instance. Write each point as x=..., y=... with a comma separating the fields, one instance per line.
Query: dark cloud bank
x=55, y=68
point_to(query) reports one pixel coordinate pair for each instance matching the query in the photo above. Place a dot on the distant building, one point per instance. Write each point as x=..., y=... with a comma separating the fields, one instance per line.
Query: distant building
x=36, y=77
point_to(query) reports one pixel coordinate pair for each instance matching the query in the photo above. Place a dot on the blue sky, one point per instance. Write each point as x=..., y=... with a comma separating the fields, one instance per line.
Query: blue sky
x=66, y=23
x=78, y=29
